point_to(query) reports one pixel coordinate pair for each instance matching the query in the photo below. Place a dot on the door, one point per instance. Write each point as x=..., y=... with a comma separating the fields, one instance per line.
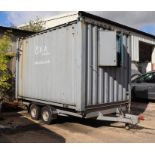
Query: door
x=107, y=48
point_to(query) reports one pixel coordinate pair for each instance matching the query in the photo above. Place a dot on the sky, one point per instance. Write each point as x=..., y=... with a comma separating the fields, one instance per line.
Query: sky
x=142, y=20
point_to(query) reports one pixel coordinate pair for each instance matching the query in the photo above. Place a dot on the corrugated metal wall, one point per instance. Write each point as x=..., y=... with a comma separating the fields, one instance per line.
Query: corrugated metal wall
x=50, y=66
x=135, y=48
x=104, y=84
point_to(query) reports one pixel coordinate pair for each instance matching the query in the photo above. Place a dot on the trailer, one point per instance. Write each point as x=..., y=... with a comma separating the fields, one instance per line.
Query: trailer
x=80, y=68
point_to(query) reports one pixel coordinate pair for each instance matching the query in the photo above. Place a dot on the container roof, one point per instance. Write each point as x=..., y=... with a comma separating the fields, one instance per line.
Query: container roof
x=72, y=16
x=85, y=14
x=62, y=19
x=57, y=20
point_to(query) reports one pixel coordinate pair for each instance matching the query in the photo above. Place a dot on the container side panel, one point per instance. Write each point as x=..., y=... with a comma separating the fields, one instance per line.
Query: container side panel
x=135, y=48
x=100, y=86
x=94, y=67
x=78, y=65
x=125, y=67
x=105, y=84
x=50, y=66
x=111, y=85
x=83, y=44
x=89, y=64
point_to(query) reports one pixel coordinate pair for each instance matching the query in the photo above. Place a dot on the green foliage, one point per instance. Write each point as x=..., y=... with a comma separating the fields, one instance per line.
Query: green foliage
x=5, y=44
x=34, y=25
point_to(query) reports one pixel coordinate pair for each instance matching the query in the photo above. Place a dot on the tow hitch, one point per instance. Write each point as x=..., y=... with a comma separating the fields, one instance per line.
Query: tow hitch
x=128, y=119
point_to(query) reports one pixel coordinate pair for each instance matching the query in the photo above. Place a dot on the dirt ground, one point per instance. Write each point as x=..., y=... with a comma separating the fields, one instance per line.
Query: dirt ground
x=17, y=127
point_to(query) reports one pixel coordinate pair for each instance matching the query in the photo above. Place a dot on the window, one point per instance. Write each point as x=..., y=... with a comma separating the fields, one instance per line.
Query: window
x=148, y=78
x=119, y=48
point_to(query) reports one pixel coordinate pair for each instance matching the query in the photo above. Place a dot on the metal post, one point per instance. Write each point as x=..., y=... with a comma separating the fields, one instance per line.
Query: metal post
x=129, y=87
x=17, y=68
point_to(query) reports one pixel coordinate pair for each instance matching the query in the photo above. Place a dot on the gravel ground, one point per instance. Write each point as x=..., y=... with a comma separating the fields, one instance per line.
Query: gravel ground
x=17, y=127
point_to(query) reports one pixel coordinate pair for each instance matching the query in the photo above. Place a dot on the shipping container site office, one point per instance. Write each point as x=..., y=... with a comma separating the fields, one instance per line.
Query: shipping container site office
x=79, y=68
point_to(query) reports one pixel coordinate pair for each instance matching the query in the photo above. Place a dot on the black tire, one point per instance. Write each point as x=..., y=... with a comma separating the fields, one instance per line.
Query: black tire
x=48, y=114
x=34, y=112
x=128, y=126
x=133, y=96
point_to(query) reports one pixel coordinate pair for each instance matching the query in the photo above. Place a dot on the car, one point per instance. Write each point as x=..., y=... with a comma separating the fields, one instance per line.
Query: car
x=134, y=76
x=143, y=87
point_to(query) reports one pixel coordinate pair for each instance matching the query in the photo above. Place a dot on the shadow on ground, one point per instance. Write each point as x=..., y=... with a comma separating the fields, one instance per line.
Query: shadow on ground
x=88, y=122
x=139, y=106
x=19, y=129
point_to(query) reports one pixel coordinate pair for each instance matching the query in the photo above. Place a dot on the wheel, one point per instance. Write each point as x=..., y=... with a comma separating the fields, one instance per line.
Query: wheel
x=128, y=126
x=48, y=114
x=133, y=96
x=35, y=112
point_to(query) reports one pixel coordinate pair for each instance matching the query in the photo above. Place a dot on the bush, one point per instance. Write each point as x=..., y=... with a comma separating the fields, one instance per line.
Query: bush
x=5, y=75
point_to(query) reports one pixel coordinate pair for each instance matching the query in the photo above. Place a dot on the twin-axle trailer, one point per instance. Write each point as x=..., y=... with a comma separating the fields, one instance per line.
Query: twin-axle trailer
x=80, y=68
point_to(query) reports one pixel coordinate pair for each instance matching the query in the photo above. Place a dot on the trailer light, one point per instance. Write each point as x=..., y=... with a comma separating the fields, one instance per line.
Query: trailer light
x=141, y=117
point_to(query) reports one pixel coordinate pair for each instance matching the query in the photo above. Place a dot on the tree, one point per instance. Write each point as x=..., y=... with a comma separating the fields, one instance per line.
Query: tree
x=5, y=76
x=34, y=25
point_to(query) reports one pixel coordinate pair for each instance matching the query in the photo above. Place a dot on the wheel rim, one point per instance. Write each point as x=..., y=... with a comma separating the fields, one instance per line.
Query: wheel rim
x=33, y=112
x=45, y=115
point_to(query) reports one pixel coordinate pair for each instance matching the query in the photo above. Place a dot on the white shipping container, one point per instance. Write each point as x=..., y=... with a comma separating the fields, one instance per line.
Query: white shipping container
x=82, y=67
